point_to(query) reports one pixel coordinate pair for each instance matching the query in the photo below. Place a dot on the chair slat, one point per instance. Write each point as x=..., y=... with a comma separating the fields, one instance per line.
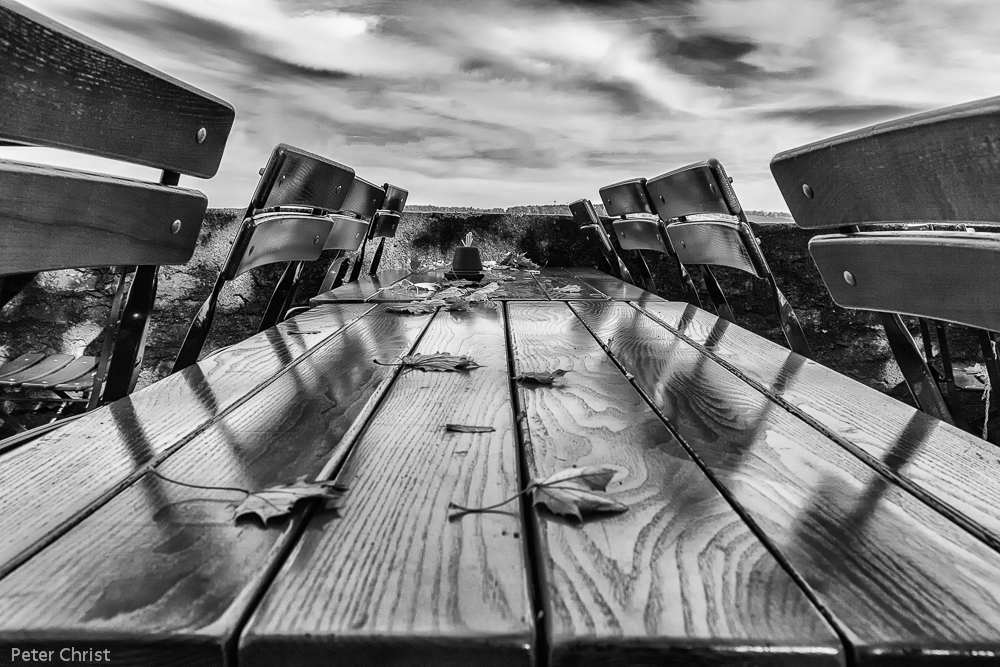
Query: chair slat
x=22, y=362
x=720, y=242
x=363, y=199
x=395, y=198
x=50, y=364
x=690, y=190
x=80, y=369
x=626, y=198
x=297, y=177
x=121, y=109
x=347, y=233
x=277, y=237
x=639, y=234
x=933, y=166
x=384, y=225
x=938, y=275
x=53, y=218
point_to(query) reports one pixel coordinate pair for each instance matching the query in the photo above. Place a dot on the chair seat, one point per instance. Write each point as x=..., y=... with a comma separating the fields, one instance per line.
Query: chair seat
x=54, y=371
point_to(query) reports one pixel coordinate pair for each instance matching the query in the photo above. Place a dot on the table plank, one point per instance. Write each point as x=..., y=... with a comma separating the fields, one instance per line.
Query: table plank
x=362, y=289
x=671, y=577
x=615, y=289
x=550, y=280
x=955, y=472
x=50, y=483
x=903, y=584
x=394, y=581
x=163, y=570
x=523, y=287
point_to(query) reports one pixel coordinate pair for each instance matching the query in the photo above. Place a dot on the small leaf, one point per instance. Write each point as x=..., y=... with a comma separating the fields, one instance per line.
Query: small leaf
x=450, y=292
x=458, y=305
x=428, y=306
x=277, y=501
x=438, y=362
x=568, y=289
x=427, y=287
x=573, y=491
x=468, y=240
x=483, y=293
x=463, y=428
x=517, y=260
x=541, y=378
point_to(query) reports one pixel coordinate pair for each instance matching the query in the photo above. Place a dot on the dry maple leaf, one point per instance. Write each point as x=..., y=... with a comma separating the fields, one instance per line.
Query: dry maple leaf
x=518, y=260
x=450, y=292
x=277, y=501
x=541, y=378
x=438, y=361
x=568, y=289
x=574, y=491
x=463, y=428
x=483, y=293
x=416, y=307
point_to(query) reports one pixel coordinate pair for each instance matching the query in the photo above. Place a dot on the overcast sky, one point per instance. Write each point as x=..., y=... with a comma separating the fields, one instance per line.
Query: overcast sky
x=507, y=102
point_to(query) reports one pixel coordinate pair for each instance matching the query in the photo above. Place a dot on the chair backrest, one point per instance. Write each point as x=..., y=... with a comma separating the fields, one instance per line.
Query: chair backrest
x=351, y=222
x=935, y=167
x=386, y=219
x=287, y=220
x=64, y=90
x=721, y=235
x=643, y=230
x=592, y=227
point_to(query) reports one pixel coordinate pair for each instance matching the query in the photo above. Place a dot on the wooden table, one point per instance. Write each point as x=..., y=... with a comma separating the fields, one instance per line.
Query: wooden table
x=778, y=513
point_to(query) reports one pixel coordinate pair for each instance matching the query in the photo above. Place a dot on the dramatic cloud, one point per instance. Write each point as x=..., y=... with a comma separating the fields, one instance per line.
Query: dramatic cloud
x=506, y=102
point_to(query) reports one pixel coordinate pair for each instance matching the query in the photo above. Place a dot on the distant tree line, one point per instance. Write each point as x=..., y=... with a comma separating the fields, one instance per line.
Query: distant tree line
x=546, y=209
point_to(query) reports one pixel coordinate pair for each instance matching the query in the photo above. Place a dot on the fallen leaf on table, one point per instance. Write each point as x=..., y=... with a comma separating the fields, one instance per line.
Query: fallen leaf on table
x=462, y=428
x=427, y=287
x=518, y=260
x=438, y=361
x=573, y=491
x=415, y=307
x=278, y=501
x=483, y=293
x=458, y=305
x=568, y=289
x=450, y=292
x=541, y=378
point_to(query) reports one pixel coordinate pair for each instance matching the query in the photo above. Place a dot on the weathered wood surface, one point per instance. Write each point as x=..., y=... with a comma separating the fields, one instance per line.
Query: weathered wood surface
x=362, y=289
x=393, y=581
x=903, y=584
x=679, y=576
x=715, y=243
x=953, y=471
x=551, y=281
x=626, y=198
x=523, y=287
x=51, y=483
x=294, y=177
x=63, y=89
x=945, y=276
x=640, y=234
x=72, y=219
x=692, y=189
x=612, y=287
x=270, y=238
x=163, y=570
x=939, y=165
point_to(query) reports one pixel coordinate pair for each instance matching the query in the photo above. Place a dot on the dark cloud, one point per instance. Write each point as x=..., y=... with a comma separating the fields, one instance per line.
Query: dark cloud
x=626, y=97
x=842, y=115
x=711, y=59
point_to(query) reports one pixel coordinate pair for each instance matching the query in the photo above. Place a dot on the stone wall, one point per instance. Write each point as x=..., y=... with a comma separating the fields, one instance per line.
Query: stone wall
x=63, y=311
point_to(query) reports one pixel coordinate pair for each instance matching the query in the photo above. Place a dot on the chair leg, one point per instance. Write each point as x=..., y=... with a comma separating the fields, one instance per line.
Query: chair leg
x=689, y=289
x=133, y=328
x=377, y=257
x=645, y=276
x=919, y=380
x=11, y=286
x=331, y=273
x=716, y=294
x=790, y=326
x=949, y=373
x=281, y=298
x=341, y=273
x=359, y=261
x=197, y=333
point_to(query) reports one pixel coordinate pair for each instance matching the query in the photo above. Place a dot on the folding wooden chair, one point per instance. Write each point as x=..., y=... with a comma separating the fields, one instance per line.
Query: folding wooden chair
x=592, y=227
x=939, y=166
x=639, y=228
x=287, y=221
x=351, y=225
x=718, y=236
x=383, y=226
x=63, y=90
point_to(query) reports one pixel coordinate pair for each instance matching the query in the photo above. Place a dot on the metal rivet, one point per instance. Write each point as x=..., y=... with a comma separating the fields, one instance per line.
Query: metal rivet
x=339, y=188
x=250, y=251
x=261, y=171
x=730, y=179
x=282, y=179
x=683, y=244
x=711, y=188
x=175, y=227
x=316, y=240
x=662, y=200
x=357, y=235
x=202, y=133
x=808, y=191
x=849, y=278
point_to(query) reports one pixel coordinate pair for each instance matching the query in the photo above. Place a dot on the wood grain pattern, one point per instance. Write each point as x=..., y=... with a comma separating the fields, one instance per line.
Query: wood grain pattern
x=270, y=238
x=550, y=280
x=394, y=581
x=294, y=177
x=626, y=198
x=716, y=242
x=692, y=189
x=940, y=275
x=939, y=165
x=46, y=485
x=65, y=90
x=955, y=472
x=162, y=565
x=903, y=584
x=362, y=289
x=52, y=218
x=524, y=287
x=679, y=576
x=615, y=289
